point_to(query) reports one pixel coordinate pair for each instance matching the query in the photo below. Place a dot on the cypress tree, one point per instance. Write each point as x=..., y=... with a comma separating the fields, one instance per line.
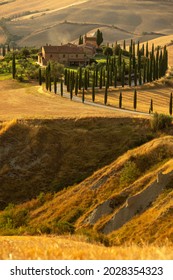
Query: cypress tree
x=106, y=94
x=148, y=71
x=80, y=40
x=80, y=78
x=14, y=66
x=71, y=91
x=130, y=71
x=151, y=69
x=120, y=100
x=50, y=83
x=108, y=77
x=135, y=76
x=47, y=79
x=154, y=68
x=65, y=76
x=144, y=73
x=151, y=106
x=99, y=37
x=124, y=45
x=140, y=77
x=147, y=49
x=101, y=73
x=86, y=79
x=170, y=104
x=152, y=51
x=61, y=87
x=55, y=85
x=76, y=84
x=123, y=74
x=131, y=47
x=134, y=54
x=104, y=77
x=119, y=58
x=138, y=53
x=83, y=95
x=135, y=100
x=68, y=81
x=134, y=61
x=160, y=65
x=93, y=88
x=96, y=77
x=115, y=76
x=39, y=76
x=139, y=62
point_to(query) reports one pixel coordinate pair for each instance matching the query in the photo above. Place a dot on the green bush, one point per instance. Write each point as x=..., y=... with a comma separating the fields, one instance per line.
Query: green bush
x=63, y=227
x=160, y=121
x=129, y=173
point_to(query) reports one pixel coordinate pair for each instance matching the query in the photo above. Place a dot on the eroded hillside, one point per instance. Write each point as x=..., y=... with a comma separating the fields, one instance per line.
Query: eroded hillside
x=88, y=207
x=49, y=155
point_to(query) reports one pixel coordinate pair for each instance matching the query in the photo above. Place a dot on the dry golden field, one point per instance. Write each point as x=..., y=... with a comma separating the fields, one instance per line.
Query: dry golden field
x=32, y=101
x=75, y=248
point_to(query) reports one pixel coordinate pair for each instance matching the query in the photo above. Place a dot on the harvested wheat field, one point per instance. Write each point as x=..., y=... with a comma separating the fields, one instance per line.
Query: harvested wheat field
x=31, y=101
x=72, y=248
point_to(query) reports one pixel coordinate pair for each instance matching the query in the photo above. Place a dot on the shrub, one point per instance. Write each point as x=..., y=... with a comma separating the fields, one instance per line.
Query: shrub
x=63, y=227
x=129, y=173
x=160, y=121
x=13, y=218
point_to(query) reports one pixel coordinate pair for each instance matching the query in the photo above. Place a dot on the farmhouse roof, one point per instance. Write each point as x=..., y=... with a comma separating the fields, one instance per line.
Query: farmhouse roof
x=67, y=48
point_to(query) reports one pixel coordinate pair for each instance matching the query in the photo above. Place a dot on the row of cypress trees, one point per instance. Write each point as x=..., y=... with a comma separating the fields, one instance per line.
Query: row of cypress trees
x=140, y=66
x=73, y=81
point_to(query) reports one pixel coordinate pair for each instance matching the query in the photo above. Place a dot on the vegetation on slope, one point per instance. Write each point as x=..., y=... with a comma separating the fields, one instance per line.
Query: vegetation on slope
x=49, y=155
x=69, y=211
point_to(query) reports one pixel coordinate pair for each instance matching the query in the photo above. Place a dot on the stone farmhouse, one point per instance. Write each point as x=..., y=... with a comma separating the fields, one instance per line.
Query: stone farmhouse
x=68, y=54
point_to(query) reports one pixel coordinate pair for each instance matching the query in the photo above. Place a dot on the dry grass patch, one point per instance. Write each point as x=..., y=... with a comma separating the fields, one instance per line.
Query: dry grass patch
x=73, y=248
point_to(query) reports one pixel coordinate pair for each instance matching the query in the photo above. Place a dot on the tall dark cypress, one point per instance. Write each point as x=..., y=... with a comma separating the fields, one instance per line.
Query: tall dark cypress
x=147, y=52
x=39, y=76
x=170, y=104
x=138, y=52
x=83, y=95
x=106, y=94
x=93, y=87
x=96, y=77
x=71, y=91
x=130, y=71
x=65, y=76
x=80, y=78
x=151, y=106
x=123, y=74
x=86, y=79
x=135, y=100
x=144, y=73
x=115, y=76
x=55, y=85
x=124, y=44
x=62, y=87
x=76, y=83
x=14, y=66
x=101, y=78
x=136, y=76
x=120, y=100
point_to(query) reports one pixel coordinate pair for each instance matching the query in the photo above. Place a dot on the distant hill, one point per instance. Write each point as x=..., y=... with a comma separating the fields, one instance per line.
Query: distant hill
x=36, y=23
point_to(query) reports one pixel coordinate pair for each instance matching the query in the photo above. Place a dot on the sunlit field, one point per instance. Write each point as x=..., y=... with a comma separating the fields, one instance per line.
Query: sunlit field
x=71, y=248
